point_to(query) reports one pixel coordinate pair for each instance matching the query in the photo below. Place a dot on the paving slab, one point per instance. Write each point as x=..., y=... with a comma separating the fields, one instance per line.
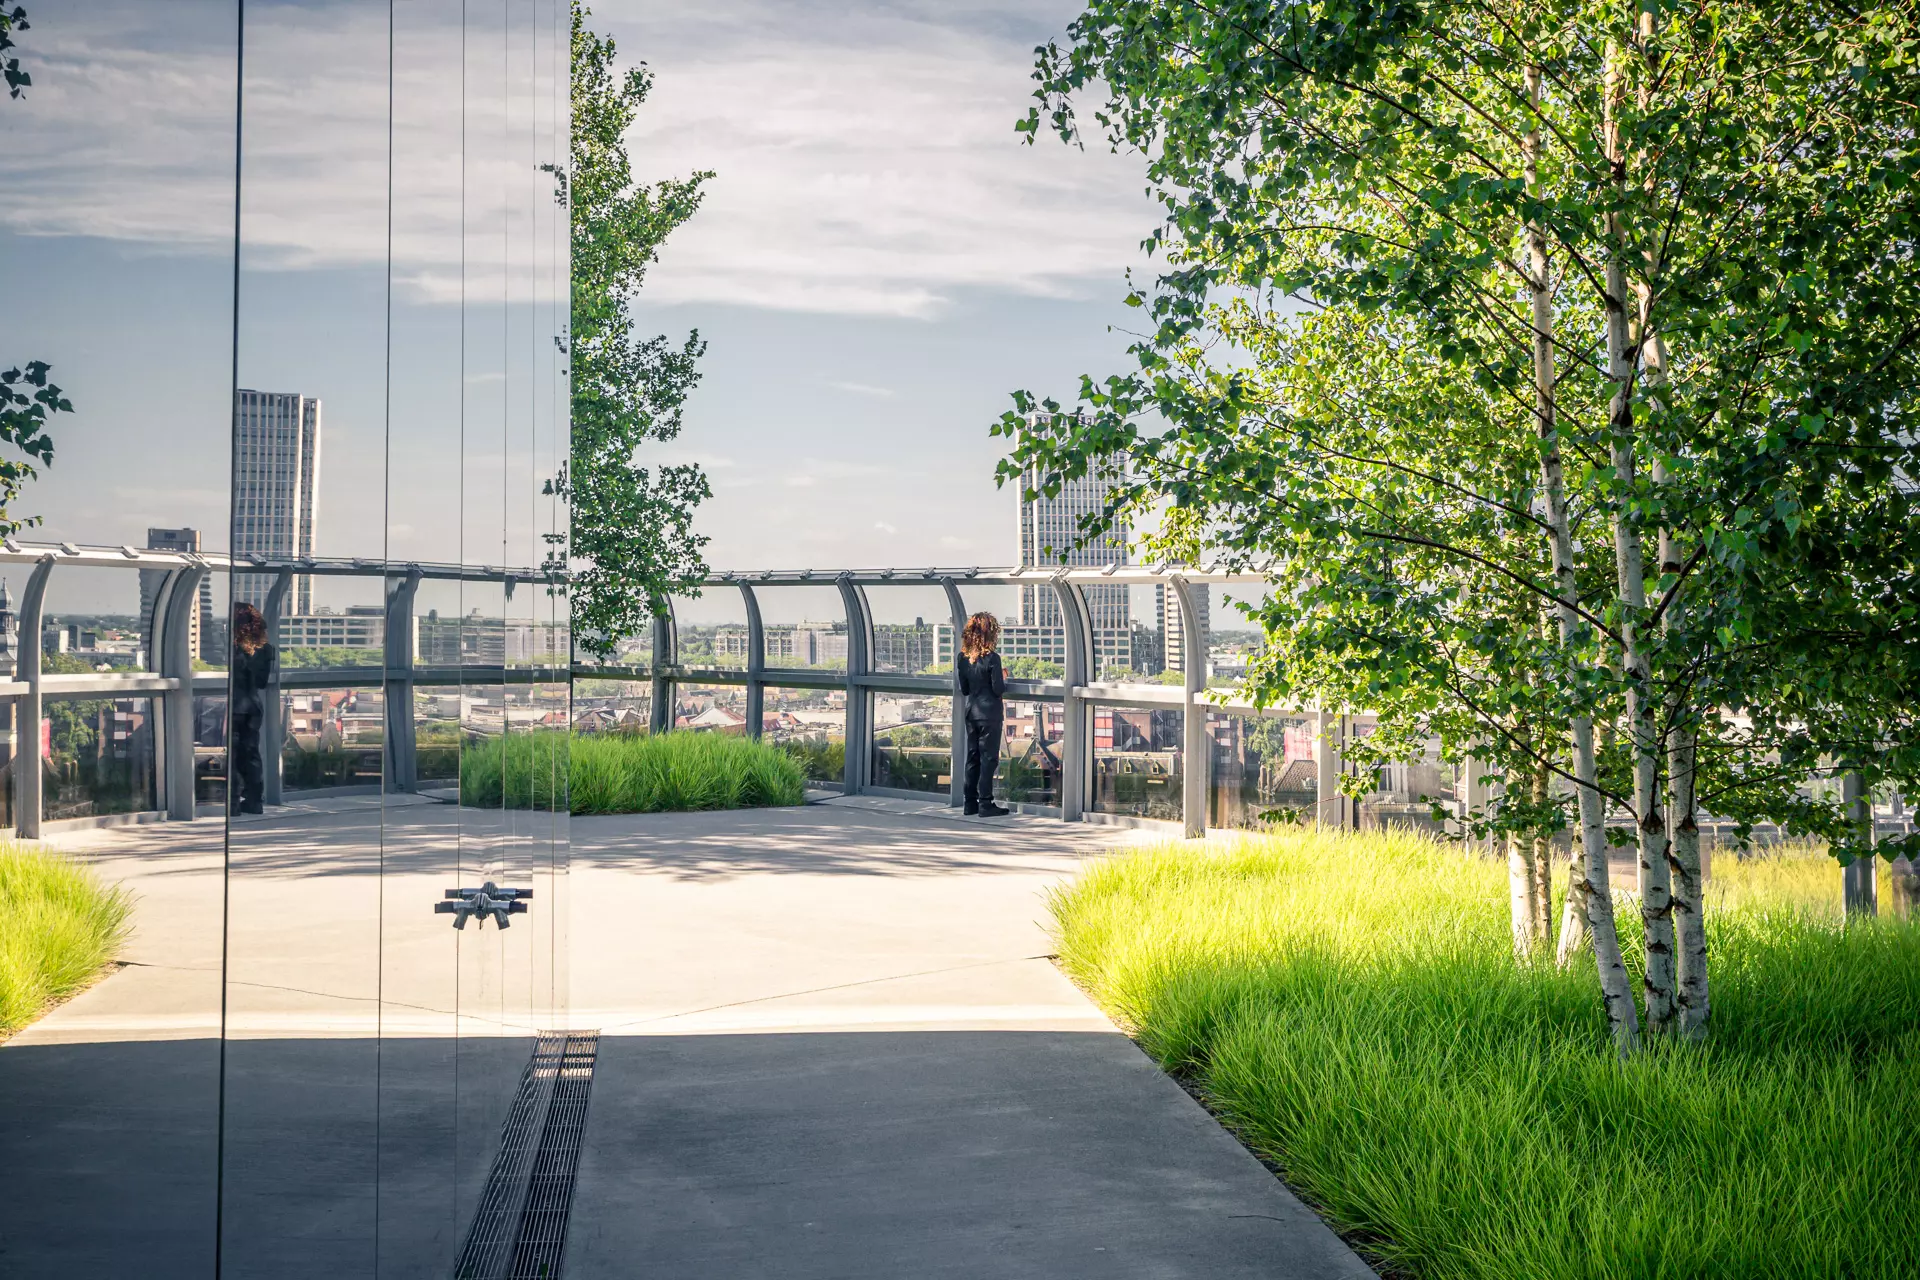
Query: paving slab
x=836, y=1047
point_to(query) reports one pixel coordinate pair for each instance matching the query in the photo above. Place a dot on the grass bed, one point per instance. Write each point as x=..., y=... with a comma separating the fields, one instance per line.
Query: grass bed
x=1350, y=1005
x=624, y=773
x=59, y=928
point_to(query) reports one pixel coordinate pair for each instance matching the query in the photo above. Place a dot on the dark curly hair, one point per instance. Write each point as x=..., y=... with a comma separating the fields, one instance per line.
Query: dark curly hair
x=249, y=628
x=981, y=634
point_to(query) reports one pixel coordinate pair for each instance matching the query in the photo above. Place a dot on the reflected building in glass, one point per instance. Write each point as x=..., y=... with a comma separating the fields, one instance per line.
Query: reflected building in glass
x=276, y=486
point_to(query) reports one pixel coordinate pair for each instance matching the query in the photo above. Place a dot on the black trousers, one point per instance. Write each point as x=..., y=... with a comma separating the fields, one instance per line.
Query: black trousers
x=243, y=748
x=983, y=757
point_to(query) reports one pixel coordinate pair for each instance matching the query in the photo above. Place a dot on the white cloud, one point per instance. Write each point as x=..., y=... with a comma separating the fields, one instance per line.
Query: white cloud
x=128, y=134
x=869, y=165
x=884, y=527
x=866, y=157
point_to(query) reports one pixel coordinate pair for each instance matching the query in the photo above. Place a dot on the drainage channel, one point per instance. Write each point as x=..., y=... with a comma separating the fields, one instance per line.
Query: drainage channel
x=519, y=1230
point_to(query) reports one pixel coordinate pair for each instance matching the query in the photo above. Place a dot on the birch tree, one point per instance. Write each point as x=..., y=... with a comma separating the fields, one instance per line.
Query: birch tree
x=1604, y=213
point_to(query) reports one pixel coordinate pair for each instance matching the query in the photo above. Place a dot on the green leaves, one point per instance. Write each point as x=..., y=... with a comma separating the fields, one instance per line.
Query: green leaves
x=632, y=523
x=27, y=401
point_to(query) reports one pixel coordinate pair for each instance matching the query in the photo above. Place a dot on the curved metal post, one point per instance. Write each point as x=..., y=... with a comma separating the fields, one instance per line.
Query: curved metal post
x=1332, y=808
x=756, y=665
x=402, y=766
x=1076, y=743
x=859, y=746
x=1197, y=746
x=29, y=775
x=273, y=717
x=666, y=652
x=182, y=598
x=957, y=770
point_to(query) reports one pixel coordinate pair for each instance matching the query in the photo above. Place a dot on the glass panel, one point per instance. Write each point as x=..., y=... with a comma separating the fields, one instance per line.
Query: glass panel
x=1033, y=640
x=805, y=627
x=1406, y=790
x=1233, y=639
x=1137, y=760
x=1029, y=771
x=811, y=725
x=711, y=629
x=908, y=622
x=1263, y=769
x=711, y=708
x=913, y=742
x=612, y=706
x=309, y=479
x=116, y=235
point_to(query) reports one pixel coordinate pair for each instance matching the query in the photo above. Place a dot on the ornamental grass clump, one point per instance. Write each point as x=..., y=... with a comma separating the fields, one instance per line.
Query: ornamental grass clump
x=628, y=773
x=59, y=929
x=1351, y=1006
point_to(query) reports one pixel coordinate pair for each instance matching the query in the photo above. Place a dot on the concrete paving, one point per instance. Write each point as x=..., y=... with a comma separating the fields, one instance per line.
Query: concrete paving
x=834, y=1046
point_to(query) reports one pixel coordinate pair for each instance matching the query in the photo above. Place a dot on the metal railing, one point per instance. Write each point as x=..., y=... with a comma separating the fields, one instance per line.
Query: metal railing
x=170, y=681
x=1076, y=692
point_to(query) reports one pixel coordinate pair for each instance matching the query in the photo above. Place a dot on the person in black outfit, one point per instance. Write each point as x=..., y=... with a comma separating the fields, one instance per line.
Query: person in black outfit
x=252, y=663
x=983, y=684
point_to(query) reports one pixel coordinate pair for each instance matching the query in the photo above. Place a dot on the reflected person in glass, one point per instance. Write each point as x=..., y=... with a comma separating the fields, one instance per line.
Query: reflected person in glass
x=983, y=684
x=252, y=665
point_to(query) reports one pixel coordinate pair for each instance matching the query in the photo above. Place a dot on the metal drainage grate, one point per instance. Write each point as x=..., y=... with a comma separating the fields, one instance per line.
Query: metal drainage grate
x=522, y=1213
x=542, y=1239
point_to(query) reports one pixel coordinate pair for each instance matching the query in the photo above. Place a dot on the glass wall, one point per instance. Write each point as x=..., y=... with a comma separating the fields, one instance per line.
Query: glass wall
x=348, y=376
x=116, y=239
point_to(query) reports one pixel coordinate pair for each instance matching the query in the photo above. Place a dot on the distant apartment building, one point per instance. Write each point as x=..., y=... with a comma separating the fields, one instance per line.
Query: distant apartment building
x=360, y=627
x=276, y=488
x=1049, y=534
x=903, y=647
x=807, y=644
x=205, y=635
x=1112, y=647
x=1173, y=632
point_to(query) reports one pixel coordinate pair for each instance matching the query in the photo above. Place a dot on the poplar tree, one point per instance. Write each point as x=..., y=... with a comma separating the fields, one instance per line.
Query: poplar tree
x=632, y=540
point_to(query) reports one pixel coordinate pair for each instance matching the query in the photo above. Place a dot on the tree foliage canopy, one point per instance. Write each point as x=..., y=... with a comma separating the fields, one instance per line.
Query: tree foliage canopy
x=632, y=521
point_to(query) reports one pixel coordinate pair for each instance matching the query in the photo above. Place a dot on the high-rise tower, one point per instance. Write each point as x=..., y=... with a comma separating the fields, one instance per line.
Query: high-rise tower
x=1049, y=532
x=276, y=487
x=201, y=628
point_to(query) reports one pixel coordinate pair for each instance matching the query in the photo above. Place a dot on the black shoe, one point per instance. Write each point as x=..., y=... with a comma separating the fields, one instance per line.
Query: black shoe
x=992, y=810
x=255, y=807
x=971, y=811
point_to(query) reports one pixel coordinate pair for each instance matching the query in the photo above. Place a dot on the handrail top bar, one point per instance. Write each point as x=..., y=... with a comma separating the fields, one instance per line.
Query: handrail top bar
x=16, y=551
x=1109, y=575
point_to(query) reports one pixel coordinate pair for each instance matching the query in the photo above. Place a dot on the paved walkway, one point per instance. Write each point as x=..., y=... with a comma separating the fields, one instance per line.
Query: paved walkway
x=835, y=1047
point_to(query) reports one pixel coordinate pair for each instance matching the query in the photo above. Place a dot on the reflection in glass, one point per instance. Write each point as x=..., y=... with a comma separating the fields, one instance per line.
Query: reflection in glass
x=913, y=742
x=1137, y=761
x=1263, y=769
x=1029, y=771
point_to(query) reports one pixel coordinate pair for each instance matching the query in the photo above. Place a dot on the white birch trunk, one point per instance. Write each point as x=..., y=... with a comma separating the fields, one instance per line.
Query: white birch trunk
x=1655, y=866
x=1520, y=895
x=1598, y=908
x=1689, y=896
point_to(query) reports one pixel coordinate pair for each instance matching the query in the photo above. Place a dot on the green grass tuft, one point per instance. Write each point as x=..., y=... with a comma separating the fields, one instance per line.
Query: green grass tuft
x=623, y=773
x=59, y=927
x=1351, y=1006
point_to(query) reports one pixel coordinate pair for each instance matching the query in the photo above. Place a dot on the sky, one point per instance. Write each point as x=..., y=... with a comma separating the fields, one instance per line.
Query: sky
x=878, y=263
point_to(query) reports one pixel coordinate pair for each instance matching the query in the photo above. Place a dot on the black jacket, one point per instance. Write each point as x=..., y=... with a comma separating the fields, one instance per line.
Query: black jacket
x=250, y=672
x=984, y=686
